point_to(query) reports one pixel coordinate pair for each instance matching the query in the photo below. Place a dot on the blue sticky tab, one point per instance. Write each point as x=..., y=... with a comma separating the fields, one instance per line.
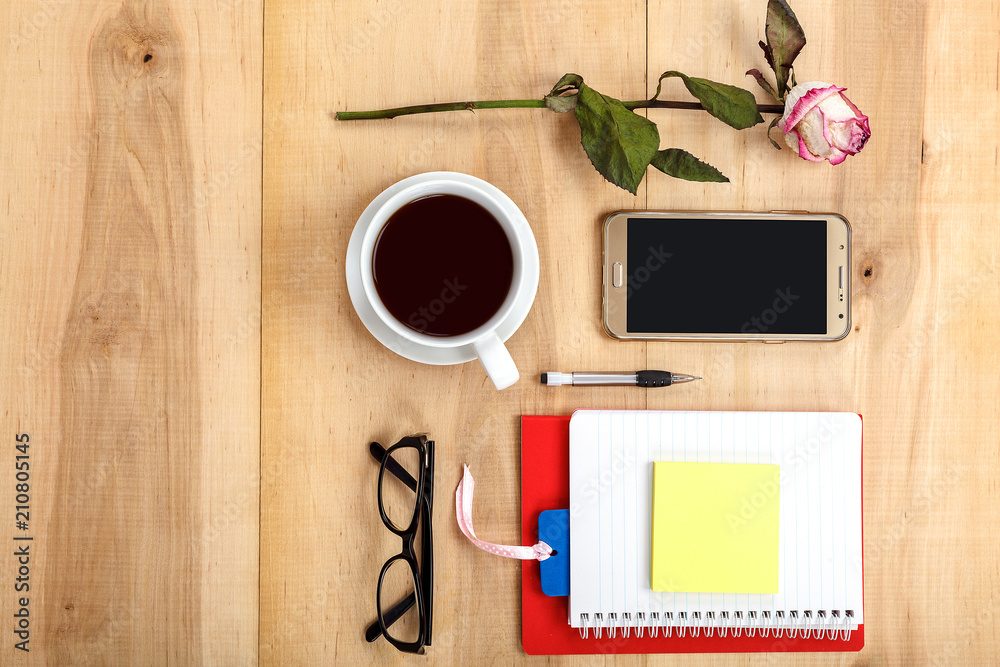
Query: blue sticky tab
x=553, y=529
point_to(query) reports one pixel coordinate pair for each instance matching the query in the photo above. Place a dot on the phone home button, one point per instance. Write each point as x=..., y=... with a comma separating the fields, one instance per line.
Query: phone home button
x=616, y=274
x=774, y=342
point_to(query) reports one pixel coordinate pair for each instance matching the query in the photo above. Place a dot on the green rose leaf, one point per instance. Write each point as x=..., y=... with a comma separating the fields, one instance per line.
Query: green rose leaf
x=681, y=164
x=564, y=94
x=785, y=39
x=767, y=54
x=764, y=83
x=619, y=142
x=734, y=106
x=771, y=127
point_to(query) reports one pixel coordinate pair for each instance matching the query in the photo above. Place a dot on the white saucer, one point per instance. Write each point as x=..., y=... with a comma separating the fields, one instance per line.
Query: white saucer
x=404, y=347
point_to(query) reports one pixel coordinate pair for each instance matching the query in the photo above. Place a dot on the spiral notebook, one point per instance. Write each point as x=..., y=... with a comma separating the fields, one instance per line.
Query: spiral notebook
x=819, y=537
x=819, y=604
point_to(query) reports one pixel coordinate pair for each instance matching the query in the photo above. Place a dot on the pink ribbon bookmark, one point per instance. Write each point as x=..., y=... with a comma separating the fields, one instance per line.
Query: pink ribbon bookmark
x=463, y=512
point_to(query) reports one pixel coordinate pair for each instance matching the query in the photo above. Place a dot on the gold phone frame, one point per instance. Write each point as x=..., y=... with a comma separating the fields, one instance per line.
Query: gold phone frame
x=615, y=269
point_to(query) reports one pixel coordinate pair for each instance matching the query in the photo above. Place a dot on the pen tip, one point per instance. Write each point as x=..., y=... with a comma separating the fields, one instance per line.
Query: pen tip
x=545, y=378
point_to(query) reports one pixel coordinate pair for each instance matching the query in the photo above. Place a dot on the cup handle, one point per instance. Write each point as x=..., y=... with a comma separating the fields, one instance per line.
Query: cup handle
x=496, y=361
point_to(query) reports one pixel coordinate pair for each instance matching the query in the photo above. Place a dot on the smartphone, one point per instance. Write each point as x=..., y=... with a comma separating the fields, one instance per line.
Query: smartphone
x=712, y=276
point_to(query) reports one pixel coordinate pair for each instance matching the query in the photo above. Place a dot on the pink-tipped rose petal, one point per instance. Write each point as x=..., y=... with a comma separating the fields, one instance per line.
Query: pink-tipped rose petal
x=804, y=151
x=823, y=124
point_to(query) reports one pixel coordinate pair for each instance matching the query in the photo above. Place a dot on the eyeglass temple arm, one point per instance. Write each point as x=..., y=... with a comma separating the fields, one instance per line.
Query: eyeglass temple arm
x=379, y=454
x=374, y=631
x=427, y=560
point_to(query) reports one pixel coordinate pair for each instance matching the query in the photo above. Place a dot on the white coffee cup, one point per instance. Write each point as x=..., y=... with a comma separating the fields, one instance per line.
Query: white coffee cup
x=485, y=340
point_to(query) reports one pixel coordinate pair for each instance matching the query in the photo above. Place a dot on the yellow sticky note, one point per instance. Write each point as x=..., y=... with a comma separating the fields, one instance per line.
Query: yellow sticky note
x=715, y=527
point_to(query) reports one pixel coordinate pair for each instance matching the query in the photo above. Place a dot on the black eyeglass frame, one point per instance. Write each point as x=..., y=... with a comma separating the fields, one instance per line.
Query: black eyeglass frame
x=422, y=572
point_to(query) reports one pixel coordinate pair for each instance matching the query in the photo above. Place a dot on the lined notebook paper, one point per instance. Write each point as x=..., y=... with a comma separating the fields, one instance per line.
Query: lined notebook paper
x=819, y=536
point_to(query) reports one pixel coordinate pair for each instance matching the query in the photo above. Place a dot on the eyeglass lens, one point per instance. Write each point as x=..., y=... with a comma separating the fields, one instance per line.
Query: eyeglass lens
x=399, y=584
x=399, y=499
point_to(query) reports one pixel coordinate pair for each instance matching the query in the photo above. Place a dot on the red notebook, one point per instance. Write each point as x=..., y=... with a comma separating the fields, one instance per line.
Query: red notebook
x=544, y=622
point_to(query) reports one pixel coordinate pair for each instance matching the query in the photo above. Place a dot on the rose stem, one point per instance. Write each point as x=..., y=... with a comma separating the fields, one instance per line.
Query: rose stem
x=523, y=104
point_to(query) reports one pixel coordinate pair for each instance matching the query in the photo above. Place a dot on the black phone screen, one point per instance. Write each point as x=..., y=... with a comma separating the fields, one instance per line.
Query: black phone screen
x=726, y=276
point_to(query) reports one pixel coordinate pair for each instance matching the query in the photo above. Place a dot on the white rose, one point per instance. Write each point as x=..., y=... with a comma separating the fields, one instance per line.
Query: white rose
x=822, y=124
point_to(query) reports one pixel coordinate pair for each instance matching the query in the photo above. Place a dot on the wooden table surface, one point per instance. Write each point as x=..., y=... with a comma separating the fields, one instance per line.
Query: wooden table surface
x=177, y=341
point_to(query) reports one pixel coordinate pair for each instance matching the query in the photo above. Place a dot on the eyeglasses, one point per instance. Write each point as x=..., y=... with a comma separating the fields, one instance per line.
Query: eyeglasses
x=405, y=496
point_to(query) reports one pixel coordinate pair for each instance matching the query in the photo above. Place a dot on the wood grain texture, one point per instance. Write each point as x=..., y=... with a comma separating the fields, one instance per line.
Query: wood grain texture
x=130, y=264
x=128, y=364
x=924, y=306
x=925, y=296
x=329, y=387
x=139, y=343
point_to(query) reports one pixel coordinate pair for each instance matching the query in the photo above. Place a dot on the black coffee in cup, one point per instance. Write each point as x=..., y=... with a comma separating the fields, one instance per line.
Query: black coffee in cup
x=442, y=265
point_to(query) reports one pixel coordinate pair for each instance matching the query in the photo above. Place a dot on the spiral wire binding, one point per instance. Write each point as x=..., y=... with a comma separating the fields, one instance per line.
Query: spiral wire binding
x=818, y=624
x=767, y=624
